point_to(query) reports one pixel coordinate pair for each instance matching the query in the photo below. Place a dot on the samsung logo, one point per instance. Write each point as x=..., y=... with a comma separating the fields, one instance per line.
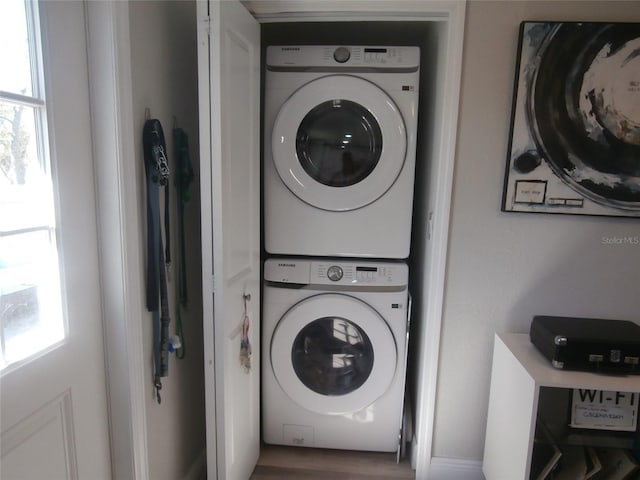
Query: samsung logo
x=288, y=265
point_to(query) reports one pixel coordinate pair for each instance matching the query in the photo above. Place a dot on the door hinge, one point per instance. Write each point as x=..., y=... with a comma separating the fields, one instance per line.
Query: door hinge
x=430, y=226
x=206, y=22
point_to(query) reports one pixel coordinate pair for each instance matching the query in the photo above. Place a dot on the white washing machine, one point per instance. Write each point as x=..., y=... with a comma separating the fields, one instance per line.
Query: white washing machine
x=334, y=353
x=339, y=150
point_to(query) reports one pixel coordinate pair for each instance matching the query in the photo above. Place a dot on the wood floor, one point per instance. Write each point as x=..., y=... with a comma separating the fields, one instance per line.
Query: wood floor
x=288, y=463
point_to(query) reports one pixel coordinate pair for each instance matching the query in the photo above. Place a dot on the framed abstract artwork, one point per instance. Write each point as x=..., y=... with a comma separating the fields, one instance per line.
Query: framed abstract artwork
x=574, y=144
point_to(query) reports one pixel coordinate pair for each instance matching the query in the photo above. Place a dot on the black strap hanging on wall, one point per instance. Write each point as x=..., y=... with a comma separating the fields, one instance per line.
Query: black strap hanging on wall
x=183, y=178
x=157, y=176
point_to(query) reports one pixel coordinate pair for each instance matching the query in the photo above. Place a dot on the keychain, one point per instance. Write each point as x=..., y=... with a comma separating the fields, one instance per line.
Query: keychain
x=245, y=345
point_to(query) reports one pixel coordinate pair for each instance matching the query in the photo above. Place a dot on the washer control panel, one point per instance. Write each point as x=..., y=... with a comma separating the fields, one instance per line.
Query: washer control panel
x=336, y=272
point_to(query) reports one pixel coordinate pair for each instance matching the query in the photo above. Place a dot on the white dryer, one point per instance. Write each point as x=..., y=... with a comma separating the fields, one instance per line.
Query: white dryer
x=334, y=353
x=339, y=150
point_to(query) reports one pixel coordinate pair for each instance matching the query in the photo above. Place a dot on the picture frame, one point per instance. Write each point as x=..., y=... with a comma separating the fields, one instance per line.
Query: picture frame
x=574, y=140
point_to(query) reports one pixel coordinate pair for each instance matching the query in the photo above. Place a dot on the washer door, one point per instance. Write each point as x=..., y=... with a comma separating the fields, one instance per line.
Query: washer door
x=333, y=354
x=339, y=143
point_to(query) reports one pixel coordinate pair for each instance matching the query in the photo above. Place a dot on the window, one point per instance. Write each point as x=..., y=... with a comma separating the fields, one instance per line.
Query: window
x=31, y=318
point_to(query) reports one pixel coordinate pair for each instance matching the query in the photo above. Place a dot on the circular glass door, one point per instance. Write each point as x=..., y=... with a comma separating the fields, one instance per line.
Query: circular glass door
x=333, y=354
x=339, y=143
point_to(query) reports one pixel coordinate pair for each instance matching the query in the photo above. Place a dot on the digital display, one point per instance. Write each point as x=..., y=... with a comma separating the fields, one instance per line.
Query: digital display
x=366, y=269
x=375, y=50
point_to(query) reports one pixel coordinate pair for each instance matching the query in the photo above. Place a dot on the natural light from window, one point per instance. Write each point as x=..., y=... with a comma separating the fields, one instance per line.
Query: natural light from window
x=31, y=317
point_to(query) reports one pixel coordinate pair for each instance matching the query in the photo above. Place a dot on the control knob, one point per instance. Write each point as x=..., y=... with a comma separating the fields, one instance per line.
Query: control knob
x=341, y=54
x=334, y=273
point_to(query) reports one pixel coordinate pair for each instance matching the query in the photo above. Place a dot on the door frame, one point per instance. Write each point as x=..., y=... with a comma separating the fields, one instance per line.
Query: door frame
x=428, y=286
x=109, y=55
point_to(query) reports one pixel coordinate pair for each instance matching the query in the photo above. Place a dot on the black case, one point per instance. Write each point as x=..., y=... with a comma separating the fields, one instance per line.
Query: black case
x=588, y=344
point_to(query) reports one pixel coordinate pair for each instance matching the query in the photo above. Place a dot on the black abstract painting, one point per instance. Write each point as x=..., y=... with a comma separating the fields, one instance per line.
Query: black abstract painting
x=574, y=145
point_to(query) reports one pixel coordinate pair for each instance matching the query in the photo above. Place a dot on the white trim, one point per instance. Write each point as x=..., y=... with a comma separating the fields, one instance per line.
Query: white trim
x=455, y=469
x=344, y=10
x=433, y=295
x=120, y=236
x=204, y=26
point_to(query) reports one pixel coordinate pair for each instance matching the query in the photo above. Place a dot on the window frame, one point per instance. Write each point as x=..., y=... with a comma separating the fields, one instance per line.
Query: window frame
x=37, y=103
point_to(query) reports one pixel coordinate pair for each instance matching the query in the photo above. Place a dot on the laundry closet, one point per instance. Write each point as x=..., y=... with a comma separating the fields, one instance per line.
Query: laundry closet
x=233, y=39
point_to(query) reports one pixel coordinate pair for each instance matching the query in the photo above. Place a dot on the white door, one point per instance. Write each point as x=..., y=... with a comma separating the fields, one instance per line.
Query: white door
x=54, y=412
x=229, y=89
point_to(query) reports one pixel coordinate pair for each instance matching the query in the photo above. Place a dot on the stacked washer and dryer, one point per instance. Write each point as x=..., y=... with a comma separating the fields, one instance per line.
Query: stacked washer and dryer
x=339, y=158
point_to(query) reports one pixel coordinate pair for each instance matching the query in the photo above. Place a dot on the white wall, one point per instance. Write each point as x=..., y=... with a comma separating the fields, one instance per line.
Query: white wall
x=164, y=71
x=503, y=268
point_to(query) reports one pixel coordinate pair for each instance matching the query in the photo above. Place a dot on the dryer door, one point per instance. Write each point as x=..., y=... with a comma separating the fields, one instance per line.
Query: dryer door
x=333, y=354
x=339, y=143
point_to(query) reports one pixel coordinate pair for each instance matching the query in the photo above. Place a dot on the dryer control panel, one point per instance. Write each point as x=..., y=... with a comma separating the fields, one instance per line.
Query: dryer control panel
x=336, y=56
x=362, y=273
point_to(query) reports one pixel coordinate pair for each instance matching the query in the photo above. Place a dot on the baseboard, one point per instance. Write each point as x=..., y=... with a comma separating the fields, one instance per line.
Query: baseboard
x=198, y=469
x=455, y=469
